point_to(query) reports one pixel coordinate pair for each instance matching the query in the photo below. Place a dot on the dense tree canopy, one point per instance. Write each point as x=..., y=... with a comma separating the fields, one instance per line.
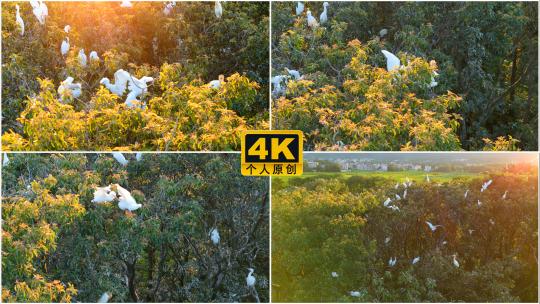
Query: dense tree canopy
x=59, y=246
x=183, y=51
x=485, y=55
x=339, y=224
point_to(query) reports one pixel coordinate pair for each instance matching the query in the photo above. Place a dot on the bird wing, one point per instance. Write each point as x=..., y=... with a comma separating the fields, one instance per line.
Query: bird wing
x=392, y=60
x=121, y=79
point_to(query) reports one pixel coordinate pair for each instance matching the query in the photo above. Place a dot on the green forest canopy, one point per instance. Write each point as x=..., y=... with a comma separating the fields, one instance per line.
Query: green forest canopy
x=485, y=54
x=59, y=246
x=182, y=51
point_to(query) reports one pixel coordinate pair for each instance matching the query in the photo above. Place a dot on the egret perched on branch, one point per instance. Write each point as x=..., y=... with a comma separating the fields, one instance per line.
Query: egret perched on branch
x=121, y=79
x=479, y=203
x=5, y=161
x=168, y=8
x=250, y=279
x=67, y=28
x=311, y=21
x=138, y=156
x=355, y=294
x=105, y=297
x=433, y=227
x=93, y=56
x=64, y=48
x=427, y=178
x=125, y=200
x=218, y=10
x=392, y=61
x=214, y=236
x=387, y=240
x=216, y=84
x=466, y=193
x=504, y=195
x=40, y=10
x=69, y=89
x=82, y=57
x=335, y=274
x=392, y=262
x=486, y=185
x=103, y=195
x=398, y=197
x=405, y=194
x=299, y=8
x=396, y=186
x=294, y=73
x=456, y=263
x=19, y=20
x=126, y=3
x=433, y=82
x=137, y=87
x=387, y=201
x=416, y=260
x=324, y=14
x=120, y=158
x=383, y=32
x=395, y=208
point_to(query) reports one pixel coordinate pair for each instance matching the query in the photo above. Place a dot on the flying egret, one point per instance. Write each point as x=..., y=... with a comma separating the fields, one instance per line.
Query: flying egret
x=335, y=274
x=64, y=48
x=214, y=236
x=432, y=227
x=466, y=193
x=294, y=73
x=456, y=263
x=67, y=28
x=69, y=89
x=121, y=79
x=416, y=260
x=387, y=201
x=218, y=10
x=93, y=56
x=324, y=14
x=311, y=21
x=355, y=294
x=392, y=262
x=120, y=158
x=103, y=195
x=392, y=61
x=504, y=195
x=138, y=156
x=250, y=279
x=216, y=84
x=5, y=161
x=383, y=32
x=126, y=3
x=19, y=20
x=137, y=87
x=105, y=297
x=486, y=185
x=82, y=57
x=299, y=8
x=125, y=200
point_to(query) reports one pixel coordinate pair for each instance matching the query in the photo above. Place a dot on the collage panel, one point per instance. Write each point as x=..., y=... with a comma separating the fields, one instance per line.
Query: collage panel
x=133, y=76
x=411, y=75
x=150, y=227
x=407, y=227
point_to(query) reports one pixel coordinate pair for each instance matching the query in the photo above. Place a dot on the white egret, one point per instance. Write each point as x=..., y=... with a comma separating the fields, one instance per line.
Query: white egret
x=387, y=240
x=138, y=156
x=405, y=194
x=355, y=294
x=427, y=178
x=456, y=263
x=486, y=185
x=392, y=61
x=137, y=87
x=103, y=195
x=504, y=195
x=121, y=79
x=383, y=32
x=395, y=208
x=19, y=20
x=294, y=73
x=69, y=89
x=125, y=200
x=335, y=274
x=398, y=197
x=40, y=10
x=5, y=161
x=250, y=279
x=466, y=193
x=311, y=21
x=299, y=8
x=432, y=227
x=405, y=185
x=214, y=236
x=416, y=260
x=396, y=186
x=278, y=88
x=105, y=297
x=471, y=231
x=126, y=3
x=168, y=8
x=64, y=48
x=120, y=158
x=387, y=201
x=67, y=28
x=433, y=82
x=491, y=221
x=218, y=10
x=324, y=14
x=479, y=203
x=392, y=262
x=82, y=58
x=93, y=56
x=216, y=84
